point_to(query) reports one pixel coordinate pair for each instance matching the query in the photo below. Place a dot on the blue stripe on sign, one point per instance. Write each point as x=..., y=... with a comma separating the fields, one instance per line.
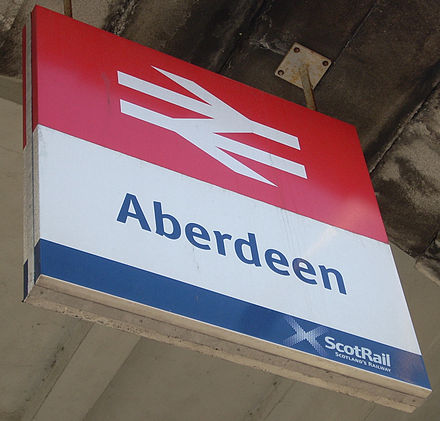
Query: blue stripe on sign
x=177, y=297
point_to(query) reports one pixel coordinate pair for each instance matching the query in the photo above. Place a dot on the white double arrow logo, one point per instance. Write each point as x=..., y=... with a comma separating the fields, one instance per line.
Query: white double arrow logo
x=205, y=133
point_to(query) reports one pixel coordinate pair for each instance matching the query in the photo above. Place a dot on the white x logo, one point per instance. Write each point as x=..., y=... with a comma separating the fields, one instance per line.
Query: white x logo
x=301, y=335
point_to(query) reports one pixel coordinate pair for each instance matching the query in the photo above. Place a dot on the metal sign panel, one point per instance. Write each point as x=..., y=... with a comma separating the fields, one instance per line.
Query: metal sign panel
x=181, y=205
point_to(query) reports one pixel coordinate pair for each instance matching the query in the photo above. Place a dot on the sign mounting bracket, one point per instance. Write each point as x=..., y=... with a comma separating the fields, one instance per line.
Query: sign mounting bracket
x=68, y=8
x=303, y=68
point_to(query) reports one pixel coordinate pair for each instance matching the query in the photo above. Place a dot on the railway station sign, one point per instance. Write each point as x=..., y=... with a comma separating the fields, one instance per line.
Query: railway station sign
x=172, y=202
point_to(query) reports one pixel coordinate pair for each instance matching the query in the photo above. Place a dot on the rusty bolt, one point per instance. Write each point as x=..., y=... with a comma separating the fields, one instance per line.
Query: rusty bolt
x=296, y=50
x=280, y=72
x=325, y=63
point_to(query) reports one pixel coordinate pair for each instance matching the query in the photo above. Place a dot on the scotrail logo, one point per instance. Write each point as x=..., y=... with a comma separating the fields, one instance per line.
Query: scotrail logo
x=206, y=133
x=359, y=354
x=301, y=335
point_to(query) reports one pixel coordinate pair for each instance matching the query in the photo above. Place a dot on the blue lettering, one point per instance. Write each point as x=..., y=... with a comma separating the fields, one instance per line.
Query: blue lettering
x=254, y=259
x=124, y=213
x=160, y=217
x=246, y=249
x=220, y=239
x=301, y=266
x=325, y=278
x=192, y=231
x=274, y=256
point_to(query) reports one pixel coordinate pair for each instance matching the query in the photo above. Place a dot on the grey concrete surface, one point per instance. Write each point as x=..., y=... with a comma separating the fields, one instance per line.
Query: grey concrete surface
x=93, y=12
x=11, y=89
x=8, y=12
x=85, y=375
x=163, y=382
x=31, y=339
x=201, y=32
x=409, y=173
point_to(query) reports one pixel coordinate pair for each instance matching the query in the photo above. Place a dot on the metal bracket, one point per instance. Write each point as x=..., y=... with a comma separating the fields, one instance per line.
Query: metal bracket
x=303, y=68
x=68, y=8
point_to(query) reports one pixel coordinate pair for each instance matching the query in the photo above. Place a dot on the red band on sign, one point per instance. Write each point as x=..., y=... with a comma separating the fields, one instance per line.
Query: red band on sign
x=129, y=98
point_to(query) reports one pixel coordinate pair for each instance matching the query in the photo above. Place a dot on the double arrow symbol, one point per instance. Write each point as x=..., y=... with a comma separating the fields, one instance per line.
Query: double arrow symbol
x=205, y=133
